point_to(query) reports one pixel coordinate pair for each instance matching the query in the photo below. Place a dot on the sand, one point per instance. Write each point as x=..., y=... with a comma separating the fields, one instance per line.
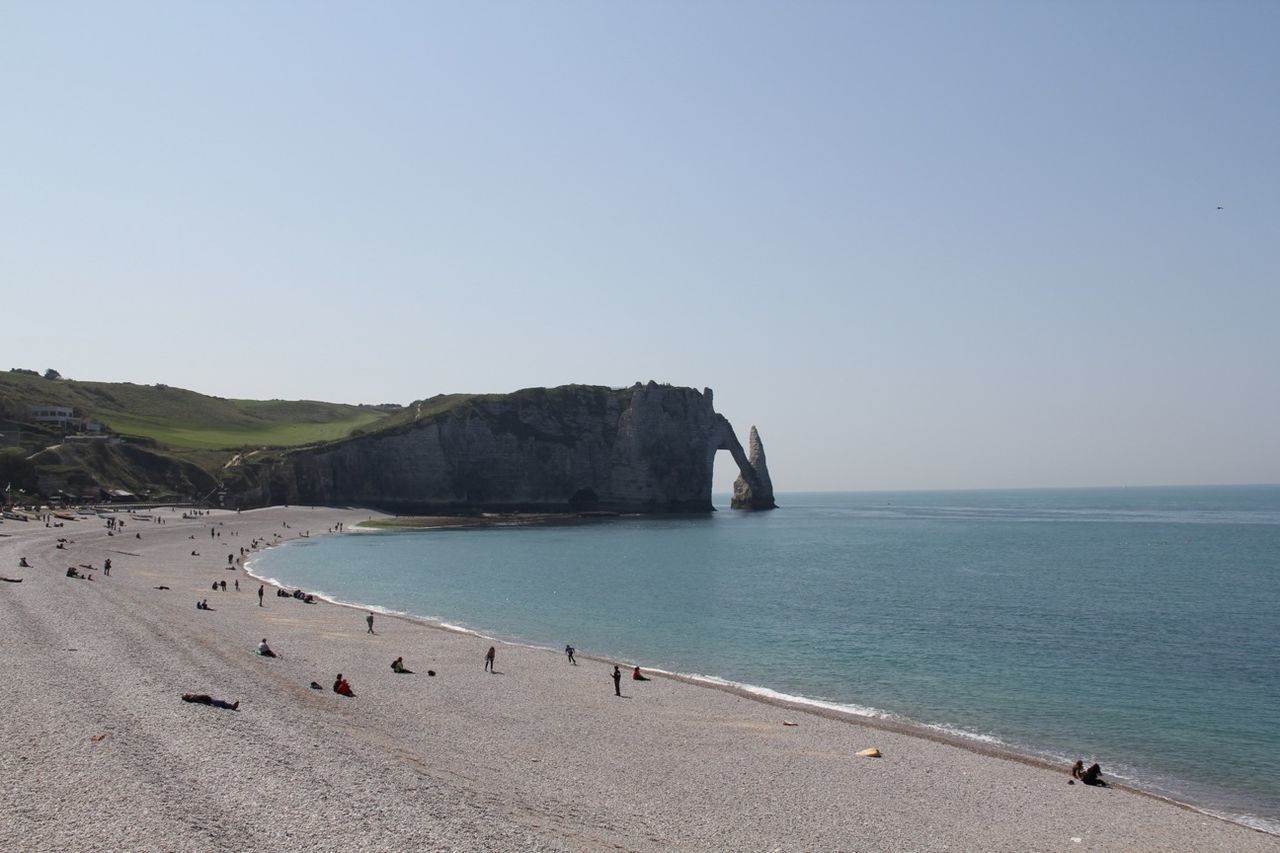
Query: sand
x=100, y=752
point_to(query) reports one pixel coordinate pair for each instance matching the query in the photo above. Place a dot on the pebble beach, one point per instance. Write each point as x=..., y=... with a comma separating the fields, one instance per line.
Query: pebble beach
x=102, y=753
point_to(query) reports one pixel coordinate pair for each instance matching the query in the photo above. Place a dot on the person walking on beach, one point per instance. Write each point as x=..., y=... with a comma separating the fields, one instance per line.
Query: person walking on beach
x=261, y=587
x=488, y=659
x=568, y=650
x=617, y=681
x=369, y=619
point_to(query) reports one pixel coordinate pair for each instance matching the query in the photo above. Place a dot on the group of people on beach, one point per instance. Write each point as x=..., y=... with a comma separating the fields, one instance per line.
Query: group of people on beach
x=1091, y=775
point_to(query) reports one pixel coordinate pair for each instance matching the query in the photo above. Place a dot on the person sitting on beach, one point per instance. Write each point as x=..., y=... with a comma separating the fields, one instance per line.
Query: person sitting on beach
x=23, y=564
x=206, y=699
x=265, y=650
x=1093, y=776
x=1077, y=770
x=397, y=666
x=72, y=573
x=204, y=605
x=342, y=688
x=636, y=676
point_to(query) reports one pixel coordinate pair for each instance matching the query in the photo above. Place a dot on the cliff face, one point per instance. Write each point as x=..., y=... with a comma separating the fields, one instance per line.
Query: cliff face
x=647, y=448
x=754, y=489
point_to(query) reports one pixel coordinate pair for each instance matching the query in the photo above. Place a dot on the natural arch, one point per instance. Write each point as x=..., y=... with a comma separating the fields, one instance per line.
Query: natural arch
x=753, y=489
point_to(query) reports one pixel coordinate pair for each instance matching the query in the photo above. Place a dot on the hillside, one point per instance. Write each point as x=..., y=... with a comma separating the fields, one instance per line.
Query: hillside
x=175, y=442
x=179, y=419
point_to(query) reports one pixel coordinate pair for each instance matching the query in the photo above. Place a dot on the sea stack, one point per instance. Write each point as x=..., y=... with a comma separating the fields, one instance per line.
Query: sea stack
x=753, y=489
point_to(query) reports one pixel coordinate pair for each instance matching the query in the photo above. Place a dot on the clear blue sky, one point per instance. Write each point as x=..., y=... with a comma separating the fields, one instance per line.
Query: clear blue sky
x=918, y=244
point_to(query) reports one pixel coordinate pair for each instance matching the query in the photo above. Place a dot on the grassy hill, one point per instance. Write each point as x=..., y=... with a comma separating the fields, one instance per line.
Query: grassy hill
x=180, y=419
x=177, y=441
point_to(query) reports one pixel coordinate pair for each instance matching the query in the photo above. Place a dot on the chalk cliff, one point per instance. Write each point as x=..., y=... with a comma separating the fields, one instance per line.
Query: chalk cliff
x=647, y=448
x=753, y=489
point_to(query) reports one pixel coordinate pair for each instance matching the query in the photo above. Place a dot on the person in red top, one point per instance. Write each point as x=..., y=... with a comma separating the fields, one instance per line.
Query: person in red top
x=341, y=687
x=636, y=676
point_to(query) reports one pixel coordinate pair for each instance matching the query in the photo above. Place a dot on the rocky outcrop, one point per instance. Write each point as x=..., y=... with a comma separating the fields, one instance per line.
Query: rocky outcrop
x=647, y=448
x=753, y=489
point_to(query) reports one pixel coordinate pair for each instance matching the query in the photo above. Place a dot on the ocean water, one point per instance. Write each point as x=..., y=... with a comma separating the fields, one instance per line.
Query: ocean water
x=1136, y=627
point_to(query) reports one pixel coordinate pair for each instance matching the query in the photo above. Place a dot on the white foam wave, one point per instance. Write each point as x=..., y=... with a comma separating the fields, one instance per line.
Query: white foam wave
x=1271, y=826
x=964, y=734
x=769, y=693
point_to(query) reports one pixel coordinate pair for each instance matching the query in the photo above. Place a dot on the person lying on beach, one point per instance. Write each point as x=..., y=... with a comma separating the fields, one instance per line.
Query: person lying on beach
x=342, y=688
x=206, y=699
x=397, y=666
x=636, y=676
x=265, y=650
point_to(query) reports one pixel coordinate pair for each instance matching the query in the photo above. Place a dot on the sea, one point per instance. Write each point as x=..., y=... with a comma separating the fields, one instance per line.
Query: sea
x=1135, y=627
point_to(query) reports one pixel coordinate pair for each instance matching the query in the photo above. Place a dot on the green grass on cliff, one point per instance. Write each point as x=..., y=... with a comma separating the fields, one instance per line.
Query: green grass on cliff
x=175, y=433
x=177, y=418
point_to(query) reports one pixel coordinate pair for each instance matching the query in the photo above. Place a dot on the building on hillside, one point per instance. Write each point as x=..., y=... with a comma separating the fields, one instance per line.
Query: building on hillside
x=60, y=416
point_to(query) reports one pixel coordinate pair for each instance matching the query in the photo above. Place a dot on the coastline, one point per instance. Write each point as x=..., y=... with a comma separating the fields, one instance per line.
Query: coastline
x=871, y=718
x=542, y=758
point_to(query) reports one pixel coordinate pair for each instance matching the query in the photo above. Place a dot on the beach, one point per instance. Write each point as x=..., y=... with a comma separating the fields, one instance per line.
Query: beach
x=541, y=755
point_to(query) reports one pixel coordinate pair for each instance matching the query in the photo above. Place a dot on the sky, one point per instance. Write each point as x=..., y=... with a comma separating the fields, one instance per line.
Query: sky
x=919, y=245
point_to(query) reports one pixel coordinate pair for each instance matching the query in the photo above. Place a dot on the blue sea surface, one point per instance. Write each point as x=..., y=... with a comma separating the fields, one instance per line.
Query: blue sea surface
x=1137, y=627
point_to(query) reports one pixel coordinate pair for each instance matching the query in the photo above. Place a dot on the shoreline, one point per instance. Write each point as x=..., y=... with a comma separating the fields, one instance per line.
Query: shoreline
x=839, y=712
x=538, y=756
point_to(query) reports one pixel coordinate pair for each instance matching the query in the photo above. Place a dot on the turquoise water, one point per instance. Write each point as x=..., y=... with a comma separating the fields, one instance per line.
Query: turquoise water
x=1136, y=627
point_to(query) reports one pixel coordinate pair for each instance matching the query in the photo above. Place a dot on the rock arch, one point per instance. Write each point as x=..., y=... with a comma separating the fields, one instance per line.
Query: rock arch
x=753, y=489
